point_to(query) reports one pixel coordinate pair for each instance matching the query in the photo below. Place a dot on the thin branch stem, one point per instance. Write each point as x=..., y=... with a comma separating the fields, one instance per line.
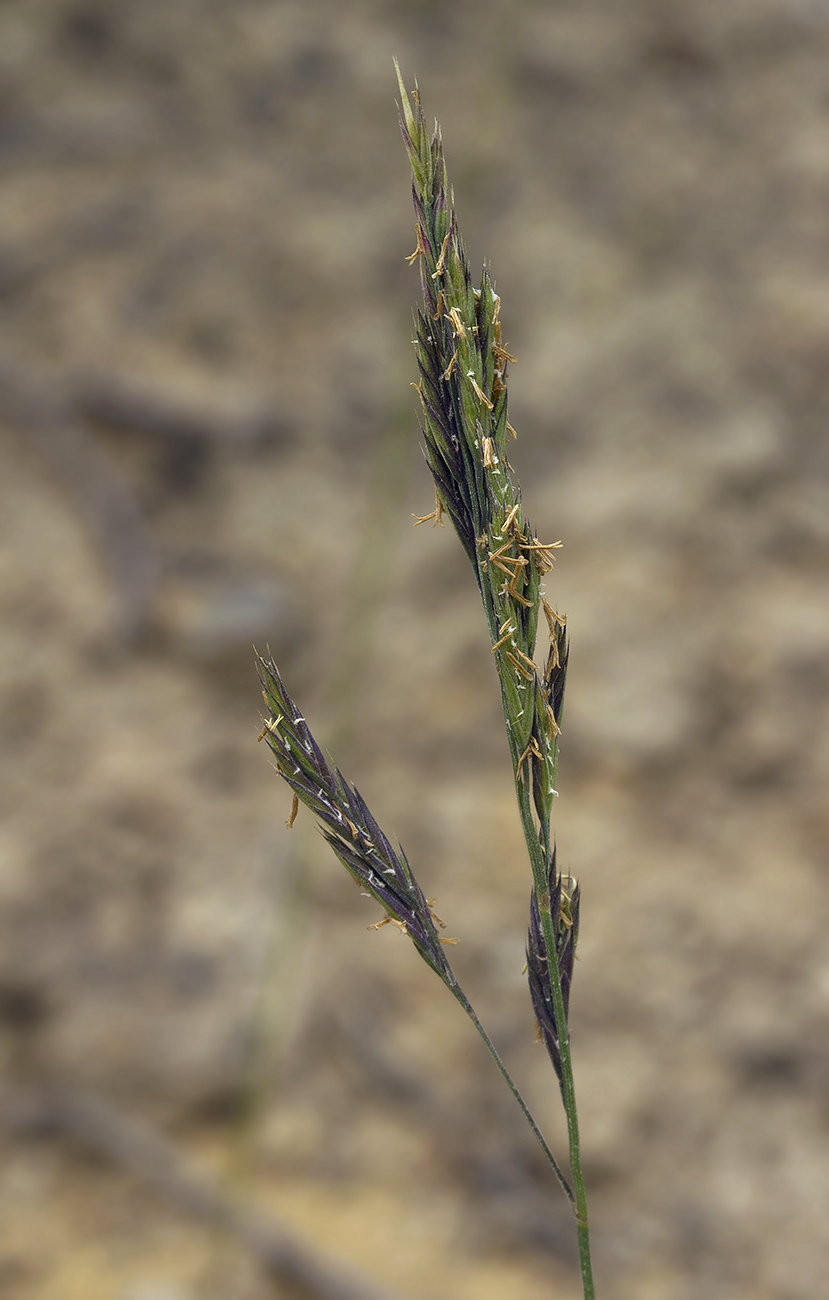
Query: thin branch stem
x=461, y=997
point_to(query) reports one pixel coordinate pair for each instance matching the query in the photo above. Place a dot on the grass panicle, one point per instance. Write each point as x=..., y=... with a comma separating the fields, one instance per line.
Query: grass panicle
x=462, y=372
x=462, y=363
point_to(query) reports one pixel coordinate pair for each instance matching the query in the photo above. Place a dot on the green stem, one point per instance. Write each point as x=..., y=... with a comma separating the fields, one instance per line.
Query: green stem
x=461, y=997
x=539, y=852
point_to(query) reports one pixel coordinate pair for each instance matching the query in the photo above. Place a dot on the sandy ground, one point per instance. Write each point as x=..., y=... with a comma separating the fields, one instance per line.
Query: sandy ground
x=208, y=441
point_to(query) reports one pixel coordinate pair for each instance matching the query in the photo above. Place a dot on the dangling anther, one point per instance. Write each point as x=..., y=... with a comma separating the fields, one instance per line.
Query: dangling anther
x=437, y=514
x=441, y=259
x=480, y=392
x=420, y=251
x=294, y=810
x=532, y=751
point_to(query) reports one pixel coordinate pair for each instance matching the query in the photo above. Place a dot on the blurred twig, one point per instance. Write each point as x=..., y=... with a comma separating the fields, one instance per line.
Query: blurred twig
x=139, y=1149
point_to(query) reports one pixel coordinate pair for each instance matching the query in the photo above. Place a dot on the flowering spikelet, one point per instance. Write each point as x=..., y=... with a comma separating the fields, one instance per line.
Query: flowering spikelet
x=348, y=826
x=564, y=906
x=462, y=365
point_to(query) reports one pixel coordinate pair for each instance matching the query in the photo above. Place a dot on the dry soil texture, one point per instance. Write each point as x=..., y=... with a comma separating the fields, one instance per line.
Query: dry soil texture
x=209, y=440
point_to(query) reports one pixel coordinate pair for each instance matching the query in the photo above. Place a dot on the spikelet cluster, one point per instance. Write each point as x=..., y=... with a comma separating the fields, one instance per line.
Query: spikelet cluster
x=381, y=872
x=462, y=387
x=564, y=906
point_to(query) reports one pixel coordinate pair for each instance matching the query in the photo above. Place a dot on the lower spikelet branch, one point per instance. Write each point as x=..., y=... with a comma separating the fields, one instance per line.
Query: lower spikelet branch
x=347, y=823
x=564, y=907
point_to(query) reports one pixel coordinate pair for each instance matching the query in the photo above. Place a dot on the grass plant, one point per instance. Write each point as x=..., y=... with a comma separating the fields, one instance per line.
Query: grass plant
x=462, y=366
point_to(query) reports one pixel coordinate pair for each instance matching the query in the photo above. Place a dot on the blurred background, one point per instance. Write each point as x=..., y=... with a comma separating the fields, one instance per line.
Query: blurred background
x=208, y=441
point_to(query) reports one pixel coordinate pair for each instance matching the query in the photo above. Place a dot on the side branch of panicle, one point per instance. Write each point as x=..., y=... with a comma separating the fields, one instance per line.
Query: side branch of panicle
x=347, y=824
x=564, y=907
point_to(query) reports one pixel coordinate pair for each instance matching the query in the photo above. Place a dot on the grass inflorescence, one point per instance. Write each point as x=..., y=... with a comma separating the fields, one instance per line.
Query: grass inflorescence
x=462, y=385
